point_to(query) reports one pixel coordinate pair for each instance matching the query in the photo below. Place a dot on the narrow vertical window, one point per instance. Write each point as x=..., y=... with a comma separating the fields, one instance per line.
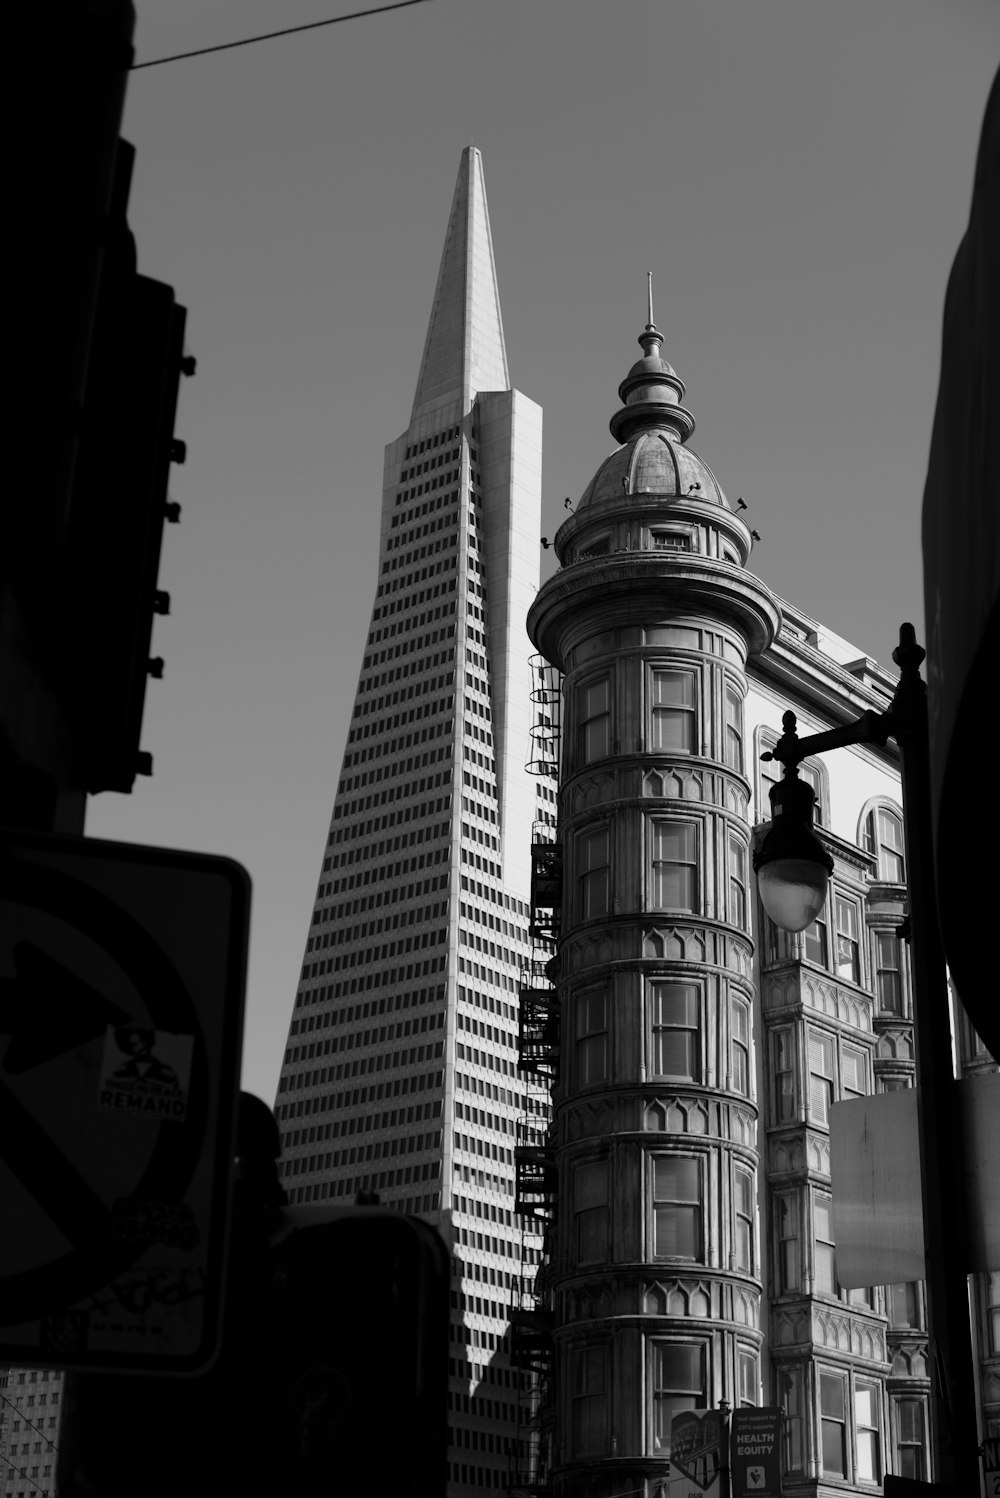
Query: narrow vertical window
x=787, y=1236
x=910, y=1438
x=993, y=1311
x=743, y=1209
x=889, y=984
x=734, y=729
x=853, y=1072
x=676, y=1207
x=592, y=1038
x=678, y=1385
x=674, y=866
x=589, y=1400
x=826, y=1254
x=748, y=1374
x=784, y=1076
x=741, y=1047
x=593, y=873
x=884, y=838
x=833, y=1423
x=820, y=1077
x=676, y=1031
x=790, y=1399
x=866, y=1421
x=815, y=943
x=848, y=950
x=904, y=1304
x=595, y=721
x=590, y=1211
x=737, y=882
x=672, y=725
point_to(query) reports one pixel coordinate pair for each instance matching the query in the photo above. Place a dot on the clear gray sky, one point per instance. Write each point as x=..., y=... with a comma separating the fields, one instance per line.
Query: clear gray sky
x=796, y=174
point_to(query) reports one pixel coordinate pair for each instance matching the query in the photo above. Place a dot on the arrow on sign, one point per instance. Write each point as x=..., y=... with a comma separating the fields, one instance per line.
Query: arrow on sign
x=47, y=1010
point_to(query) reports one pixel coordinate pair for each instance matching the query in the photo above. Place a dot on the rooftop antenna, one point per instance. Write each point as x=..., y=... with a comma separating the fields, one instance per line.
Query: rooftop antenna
x=649, y=299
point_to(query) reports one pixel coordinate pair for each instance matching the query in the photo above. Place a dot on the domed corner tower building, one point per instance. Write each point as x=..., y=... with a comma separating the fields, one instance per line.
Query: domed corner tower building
x=654, y=1277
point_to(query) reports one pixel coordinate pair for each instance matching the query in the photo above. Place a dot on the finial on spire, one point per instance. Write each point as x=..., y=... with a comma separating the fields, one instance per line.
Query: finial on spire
x=649, y=299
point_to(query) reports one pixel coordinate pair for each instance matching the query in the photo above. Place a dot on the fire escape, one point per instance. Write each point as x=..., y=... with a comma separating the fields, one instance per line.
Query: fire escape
x=534, y=1162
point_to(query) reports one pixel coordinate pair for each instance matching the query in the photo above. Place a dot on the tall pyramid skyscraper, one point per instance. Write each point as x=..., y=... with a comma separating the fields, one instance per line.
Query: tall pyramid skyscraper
x=400, y=1073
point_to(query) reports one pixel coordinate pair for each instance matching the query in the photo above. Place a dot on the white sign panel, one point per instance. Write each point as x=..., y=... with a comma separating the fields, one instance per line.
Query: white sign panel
x=122, y=973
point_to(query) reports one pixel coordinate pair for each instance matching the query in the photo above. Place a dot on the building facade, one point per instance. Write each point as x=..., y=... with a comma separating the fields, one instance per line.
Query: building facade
x=400, y=1075
x=690, y=1257
x=30, y=1415
x=540, y=1005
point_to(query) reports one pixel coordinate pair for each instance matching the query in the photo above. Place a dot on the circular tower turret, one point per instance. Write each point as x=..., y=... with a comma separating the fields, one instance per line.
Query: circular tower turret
x=655, y=1281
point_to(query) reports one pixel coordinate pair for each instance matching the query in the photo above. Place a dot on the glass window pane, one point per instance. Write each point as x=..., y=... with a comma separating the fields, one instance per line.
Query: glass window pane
x=815, y=943
x=676, y=1178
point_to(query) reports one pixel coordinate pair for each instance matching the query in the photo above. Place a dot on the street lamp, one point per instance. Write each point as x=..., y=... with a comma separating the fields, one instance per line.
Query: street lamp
x=792, y=870
x=791, y=865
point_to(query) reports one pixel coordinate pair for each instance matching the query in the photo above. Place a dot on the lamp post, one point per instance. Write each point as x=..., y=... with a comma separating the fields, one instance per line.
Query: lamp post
x=792, y=869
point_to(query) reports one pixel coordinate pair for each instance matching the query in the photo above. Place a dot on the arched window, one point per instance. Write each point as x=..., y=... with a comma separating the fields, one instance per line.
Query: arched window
x=882, y=836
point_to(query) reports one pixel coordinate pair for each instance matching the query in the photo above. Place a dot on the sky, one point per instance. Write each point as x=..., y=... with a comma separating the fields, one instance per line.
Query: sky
x=795, y=173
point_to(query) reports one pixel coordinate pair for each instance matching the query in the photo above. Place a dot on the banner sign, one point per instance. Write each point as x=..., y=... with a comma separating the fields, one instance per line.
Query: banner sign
x=696, y=1455
x=755, y=1453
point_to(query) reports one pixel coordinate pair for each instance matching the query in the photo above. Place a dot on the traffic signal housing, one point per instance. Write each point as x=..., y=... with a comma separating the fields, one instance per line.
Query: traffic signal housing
x=120, y=503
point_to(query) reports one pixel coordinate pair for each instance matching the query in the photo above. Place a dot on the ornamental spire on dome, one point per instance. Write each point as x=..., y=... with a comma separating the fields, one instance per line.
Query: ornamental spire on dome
x=652, y=390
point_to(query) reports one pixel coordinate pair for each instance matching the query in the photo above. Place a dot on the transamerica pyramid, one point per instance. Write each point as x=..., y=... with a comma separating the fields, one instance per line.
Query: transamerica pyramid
x=400, y=1073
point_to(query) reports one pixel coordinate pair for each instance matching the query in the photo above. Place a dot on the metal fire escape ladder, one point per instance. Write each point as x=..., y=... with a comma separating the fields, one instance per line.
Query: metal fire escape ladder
x=538, y=1060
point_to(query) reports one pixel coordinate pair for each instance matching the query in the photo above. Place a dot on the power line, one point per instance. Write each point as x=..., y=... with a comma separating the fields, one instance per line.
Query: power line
x=269, y=36
x=21, y=1473
x=24, y=1417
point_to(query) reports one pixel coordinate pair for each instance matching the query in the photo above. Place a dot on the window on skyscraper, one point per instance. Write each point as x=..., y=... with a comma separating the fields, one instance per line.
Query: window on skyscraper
x=593, y=873
x=677, y=1231
x=595, y=720
x=674, y=884
x=676, y=1030
x=672, y=715
x=678, y=1384
x=734, y=728
x=592, y=1037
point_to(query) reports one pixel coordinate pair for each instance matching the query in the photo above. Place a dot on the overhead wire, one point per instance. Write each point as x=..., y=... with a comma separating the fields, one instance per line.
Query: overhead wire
x=268, y=36
x=24, y=1417
x=21, y=1473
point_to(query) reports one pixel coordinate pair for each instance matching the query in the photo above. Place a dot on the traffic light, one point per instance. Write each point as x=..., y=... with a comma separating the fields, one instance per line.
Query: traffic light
x=120, y=503
x=332, y=1378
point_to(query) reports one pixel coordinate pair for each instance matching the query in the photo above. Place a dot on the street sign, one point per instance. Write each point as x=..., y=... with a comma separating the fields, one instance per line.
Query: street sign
x=122, y=973
x=991, y=1466
x=695, y=1455
x=755, y=1453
